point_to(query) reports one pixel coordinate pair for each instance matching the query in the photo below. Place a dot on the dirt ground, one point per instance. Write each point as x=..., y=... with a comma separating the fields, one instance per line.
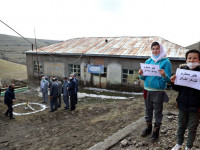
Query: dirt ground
x=94, y=120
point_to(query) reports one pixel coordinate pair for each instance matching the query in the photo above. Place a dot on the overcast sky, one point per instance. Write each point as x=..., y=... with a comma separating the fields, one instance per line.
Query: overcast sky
x=175, y=20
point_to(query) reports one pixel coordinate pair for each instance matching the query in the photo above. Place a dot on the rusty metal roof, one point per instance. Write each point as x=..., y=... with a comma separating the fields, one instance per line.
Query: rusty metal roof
x=112, y=46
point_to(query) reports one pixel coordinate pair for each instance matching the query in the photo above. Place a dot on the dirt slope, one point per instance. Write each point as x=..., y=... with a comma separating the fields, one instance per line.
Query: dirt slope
x=10, y=70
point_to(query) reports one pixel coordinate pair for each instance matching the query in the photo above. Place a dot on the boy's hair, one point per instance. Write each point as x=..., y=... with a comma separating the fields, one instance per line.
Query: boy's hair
x=154, y=44
x=192, y=51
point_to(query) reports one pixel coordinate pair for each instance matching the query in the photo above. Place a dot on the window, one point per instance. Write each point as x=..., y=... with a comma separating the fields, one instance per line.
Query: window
x=129, y=76
x=75, y=69
x=38, y=67
x=102, y=75
x=105, y=72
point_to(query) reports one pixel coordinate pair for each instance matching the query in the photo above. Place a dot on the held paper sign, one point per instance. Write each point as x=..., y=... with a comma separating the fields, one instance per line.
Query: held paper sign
x=150, y=70
x=188, y=78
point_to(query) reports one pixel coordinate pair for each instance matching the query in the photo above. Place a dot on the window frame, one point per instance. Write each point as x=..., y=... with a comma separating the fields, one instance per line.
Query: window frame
x=74, y=68
x=126, y=73
x=38, y=66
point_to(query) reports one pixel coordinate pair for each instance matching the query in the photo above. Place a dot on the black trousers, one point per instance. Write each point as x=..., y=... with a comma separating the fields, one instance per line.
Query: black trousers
x=72, y=101
x=53, y=103
x=59, y=100
x=0, y=92
x=9, y=111
x=76, y=98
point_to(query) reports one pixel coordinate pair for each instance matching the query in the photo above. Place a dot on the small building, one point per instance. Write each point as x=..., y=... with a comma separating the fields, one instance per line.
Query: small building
x=120, y=58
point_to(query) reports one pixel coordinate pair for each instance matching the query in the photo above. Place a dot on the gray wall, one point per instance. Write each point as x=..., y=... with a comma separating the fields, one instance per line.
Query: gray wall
x=58, y=66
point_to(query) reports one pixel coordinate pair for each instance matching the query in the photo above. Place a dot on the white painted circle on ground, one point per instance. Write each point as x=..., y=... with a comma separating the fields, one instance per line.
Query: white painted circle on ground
x=43, y=107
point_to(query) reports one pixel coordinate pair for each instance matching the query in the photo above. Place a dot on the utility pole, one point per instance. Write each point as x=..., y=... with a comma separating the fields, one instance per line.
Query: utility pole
x=38, y=67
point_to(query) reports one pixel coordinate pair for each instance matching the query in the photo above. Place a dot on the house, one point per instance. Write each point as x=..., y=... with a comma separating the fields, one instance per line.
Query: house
x=119, y=57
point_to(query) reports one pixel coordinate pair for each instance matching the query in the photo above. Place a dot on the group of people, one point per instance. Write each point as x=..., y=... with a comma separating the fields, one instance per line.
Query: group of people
x=188, y=100
x=69, y=89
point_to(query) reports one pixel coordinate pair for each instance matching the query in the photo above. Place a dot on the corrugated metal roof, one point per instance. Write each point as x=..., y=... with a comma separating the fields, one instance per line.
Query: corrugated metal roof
x=115, y=46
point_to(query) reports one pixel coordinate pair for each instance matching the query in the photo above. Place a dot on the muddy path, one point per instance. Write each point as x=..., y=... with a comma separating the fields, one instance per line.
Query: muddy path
x=94, y=120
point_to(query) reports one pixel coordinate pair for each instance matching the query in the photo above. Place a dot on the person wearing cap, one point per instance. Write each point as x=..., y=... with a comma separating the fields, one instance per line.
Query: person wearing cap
x=65, y=92
x=9, y=98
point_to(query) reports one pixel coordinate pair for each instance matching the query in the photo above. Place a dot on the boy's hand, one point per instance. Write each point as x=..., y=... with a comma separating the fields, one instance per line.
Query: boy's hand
x=172, y=79
x=162, y=72
x=140, y=72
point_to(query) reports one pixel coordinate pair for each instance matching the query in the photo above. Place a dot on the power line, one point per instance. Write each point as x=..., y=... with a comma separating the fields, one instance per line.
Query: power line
x=36, y=45
x=16, y=32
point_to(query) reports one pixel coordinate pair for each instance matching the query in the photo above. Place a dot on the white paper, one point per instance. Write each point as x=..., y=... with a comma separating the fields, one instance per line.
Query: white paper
x=150, y=70
x=188, y=78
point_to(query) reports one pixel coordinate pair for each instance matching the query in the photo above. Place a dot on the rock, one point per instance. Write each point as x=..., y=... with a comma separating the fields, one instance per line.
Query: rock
x=170, y=117
x=163, y=131
x=134, y=142
x=124, y=143
x=144, y=144
x=129, y=138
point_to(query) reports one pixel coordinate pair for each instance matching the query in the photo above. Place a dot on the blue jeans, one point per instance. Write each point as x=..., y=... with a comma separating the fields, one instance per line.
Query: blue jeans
x=45, y=96
x=66, y=101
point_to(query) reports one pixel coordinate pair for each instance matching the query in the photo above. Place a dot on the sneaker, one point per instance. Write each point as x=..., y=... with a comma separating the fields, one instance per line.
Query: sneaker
x=177, y=147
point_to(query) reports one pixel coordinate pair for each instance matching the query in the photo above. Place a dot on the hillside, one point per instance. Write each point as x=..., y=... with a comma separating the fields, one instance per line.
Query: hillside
x=12, y=48
x=10, y=70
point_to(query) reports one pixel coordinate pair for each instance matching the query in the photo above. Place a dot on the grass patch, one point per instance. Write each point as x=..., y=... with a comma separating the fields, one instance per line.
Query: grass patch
x=10, y=70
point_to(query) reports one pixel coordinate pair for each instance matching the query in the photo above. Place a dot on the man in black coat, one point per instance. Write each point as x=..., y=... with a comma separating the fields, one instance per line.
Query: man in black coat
x=53, y=95
x=72, y=92
x=9, y=98
x=76, y=88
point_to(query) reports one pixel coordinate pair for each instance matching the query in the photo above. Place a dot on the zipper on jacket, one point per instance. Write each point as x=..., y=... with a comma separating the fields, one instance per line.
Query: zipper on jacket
x=149, y=81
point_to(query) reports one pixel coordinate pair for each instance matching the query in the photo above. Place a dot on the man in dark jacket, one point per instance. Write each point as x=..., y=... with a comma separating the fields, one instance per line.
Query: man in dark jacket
x=76, y=88
x=72, y=92
x=9, y=98
x=65, y=92
x=53, y=95
x=59, y=92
